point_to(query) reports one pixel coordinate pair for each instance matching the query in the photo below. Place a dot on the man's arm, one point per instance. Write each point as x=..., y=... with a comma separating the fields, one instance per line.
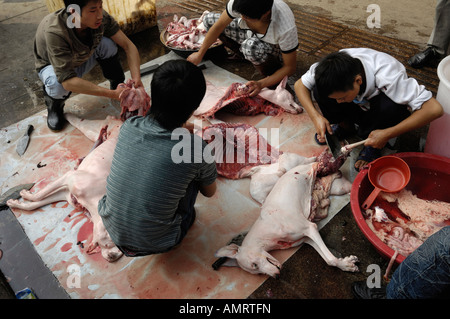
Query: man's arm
x=79, y=85
x=133, y=58
x=209, y=190
x=304, y=96
x=429, y=111
x=211, y=37
x=289, y=67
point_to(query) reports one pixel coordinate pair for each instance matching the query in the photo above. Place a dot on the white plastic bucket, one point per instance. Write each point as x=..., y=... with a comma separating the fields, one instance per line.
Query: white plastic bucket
x=438, y=138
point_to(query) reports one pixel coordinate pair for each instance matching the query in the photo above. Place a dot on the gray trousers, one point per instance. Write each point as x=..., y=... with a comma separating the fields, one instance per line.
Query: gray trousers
x=440, y=37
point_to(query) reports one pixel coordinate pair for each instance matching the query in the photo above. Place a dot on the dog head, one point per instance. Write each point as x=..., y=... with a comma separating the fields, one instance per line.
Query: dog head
x=255, y=260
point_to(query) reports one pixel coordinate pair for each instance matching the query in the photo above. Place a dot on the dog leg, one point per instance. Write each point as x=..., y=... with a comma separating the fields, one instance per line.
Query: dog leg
x=57, y=185
x=315, y=240
x=54, y=192
x=32, y=205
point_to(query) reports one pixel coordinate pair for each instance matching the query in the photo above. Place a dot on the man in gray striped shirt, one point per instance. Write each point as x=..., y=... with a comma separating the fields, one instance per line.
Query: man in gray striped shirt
x=149, y=201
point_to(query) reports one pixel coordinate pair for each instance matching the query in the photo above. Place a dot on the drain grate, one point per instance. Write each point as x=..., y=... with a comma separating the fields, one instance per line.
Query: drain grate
x=199, y=6
x=314, y=32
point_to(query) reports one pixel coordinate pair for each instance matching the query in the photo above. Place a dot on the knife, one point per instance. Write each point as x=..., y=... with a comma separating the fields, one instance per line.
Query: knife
x=22, y=143
x=333, y=144
x=238, y=239
x=152, y=68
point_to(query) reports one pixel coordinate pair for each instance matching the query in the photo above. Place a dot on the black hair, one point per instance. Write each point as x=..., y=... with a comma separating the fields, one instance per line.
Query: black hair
x=80, y=3
x=253, y=9
x=177, y=88
x=336, y=73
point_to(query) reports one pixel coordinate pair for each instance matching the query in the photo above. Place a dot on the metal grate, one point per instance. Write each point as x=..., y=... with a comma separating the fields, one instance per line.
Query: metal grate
x=199, y=6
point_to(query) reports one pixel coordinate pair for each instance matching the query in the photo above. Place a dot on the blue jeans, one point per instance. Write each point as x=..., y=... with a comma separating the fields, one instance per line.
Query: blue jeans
x=106, y=49
x=426, y=272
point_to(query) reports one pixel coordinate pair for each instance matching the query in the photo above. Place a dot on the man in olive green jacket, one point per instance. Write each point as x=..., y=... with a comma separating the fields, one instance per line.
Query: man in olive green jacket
x=69, y=43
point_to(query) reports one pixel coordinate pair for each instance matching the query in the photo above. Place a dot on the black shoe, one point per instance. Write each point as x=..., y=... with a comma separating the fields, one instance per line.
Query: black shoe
x=423, y=58
x=361, y=291
x=55, y=108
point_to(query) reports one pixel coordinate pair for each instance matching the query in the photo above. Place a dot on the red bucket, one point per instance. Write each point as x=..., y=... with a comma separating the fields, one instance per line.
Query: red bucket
x=430, y=179
x=388, y=174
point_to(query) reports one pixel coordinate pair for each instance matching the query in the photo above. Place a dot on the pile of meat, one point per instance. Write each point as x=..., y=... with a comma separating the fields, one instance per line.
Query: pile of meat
x=186, y=33
x=235, y=99
x=133, y=101
x=403, y=221
x=237, y=148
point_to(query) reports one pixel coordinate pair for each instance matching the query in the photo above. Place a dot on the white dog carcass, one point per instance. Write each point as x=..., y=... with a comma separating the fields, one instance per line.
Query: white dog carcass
x=293, y=197
x=86, y=185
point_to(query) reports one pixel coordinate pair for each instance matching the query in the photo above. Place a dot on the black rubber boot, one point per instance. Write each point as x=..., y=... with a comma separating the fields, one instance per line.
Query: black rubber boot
x=361, y=291
x=55, y=109
x=112, y=70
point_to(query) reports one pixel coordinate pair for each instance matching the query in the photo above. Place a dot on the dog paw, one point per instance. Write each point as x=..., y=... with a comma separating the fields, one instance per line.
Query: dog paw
x=348, y=263
x=12, y=203
x=26, y=194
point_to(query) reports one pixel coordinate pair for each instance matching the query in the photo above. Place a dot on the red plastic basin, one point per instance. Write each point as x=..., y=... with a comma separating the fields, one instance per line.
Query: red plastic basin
x=430, y=179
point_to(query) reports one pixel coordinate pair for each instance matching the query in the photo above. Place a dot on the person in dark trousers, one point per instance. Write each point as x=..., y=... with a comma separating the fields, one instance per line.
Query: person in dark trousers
x=365, y=92
x=69, y=43
x=424, y=274
x=261, y=31
x=439, y=41
x=152, y=188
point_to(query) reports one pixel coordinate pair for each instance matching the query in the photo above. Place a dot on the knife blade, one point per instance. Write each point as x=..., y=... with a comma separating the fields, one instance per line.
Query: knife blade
x=333, y=144
x=152, y=68
x=22, y=143
x=149, y=69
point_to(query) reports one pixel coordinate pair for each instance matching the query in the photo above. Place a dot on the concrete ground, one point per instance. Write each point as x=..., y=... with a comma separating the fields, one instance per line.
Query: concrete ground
x=324, y=25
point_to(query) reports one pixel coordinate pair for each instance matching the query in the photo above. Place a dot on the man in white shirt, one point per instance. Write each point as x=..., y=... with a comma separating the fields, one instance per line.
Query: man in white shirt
x=264, y=32
x=370, y=89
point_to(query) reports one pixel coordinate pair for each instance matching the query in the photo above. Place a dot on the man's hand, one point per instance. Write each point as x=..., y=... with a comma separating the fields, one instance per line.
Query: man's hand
x=195, y=58
x=322, y=125
x=254, y=87
x=115, y=94
x=378, y=138
x=138, y=83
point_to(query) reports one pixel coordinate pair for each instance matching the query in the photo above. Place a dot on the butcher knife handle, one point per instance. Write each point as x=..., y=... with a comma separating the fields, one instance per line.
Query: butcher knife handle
x=352, y=146
x=29, y=129
x=219, y=262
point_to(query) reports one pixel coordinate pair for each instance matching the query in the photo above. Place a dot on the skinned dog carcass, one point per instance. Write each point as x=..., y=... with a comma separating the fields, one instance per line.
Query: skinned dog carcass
x=293, y=196
x=235, y=99
x=86, y=185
